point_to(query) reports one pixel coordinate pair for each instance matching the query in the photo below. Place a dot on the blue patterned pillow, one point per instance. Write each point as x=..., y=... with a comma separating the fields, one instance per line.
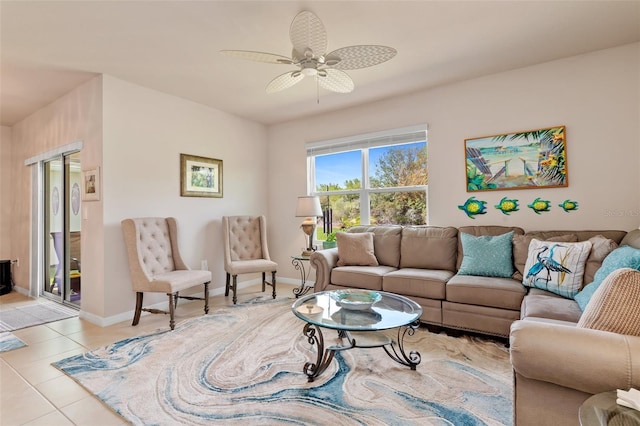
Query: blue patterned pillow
x=486, y=255
x=622, y=257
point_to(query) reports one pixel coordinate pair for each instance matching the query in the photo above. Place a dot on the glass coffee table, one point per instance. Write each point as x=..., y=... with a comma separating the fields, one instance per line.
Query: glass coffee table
x=601, y=410
x=358, y=316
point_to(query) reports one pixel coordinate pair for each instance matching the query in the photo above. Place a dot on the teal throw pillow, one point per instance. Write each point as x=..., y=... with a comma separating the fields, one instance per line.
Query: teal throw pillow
x=486, y=255
x=622, y=257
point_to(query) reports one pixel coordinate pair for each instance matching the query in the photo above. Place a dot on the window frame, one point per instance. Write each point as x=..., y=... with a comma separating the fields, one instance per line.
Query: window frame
x=363, y=143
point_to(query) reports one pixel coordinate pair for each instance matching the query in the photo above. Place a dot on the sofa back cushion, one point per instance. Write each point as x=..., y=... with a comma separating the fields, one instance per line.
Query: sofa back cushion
x=601, y=247
x=429, y=247
x=483, y=230
x=386, y=243
x=631, y=239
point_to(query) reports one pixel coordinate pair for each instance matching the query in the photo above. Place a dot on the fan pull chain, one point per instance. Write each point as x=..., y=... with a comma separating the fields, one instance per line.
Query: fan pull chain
x=317, y=91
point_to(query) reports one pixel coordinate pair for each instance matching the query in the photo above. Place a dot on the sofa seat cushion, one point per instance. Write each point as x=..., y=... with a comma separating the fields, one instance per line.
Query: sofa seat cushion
x=544, y=304
x=505, y=293
x=428, y=283
x=366, y=277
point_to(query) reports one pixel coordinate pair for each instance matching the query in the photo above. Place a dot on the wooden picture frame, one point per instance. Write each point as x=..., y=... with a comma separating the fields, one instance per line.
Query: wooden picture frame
x=200, y=176
x=531, y=159
x=91, y=184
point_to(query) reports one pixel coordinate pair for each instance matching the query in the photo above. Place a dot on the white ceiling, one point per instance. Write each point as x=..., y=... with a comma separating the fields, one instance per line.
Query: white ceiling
x=47, y=48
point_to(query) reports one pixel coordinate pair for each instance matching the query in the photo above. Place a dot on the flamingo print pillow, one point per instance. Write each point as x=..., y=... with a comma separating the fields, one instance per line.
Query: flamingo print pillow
x=556, y=266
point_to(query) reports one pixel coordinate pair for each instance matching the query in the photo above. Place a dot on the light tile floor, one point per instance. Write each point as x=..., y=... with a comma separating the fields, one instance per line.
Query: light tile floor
x=32, y=392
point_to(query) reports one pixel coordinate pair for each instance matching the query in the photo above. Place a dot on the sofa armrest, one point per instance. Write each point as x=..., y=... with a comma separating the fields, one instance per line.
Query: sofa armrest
x=587, y=360
x=323, y=261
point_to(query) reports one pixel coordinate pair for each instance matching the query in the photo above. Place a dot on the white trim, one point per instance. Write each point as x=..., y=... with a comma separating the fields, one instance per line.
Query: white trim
x=163, y=305
x=369, y=140
x=36, y=272
x=35, y=248
x=64, y=149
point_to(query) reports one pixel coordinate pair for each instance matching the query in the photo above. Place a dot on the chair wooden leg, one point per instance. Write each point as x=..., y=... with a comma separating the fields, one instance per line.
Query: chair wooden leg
x=273, y=283
x=175, y=299
x=172, y=297
x=226, y=288
x=206, y=298
x=138, y=311
x=264, y=277
x=234, y=287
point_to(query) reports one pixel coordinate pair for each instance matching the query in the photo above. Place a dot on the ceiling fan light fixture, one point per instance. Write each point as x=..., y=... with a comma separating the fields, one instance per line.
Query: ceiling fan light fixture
x=309, y=46
x=309, y=72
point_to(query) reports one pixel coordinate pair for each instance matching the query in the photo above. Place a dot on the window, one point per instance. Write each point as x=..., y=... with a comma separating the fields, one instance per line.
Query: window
x=374, y=179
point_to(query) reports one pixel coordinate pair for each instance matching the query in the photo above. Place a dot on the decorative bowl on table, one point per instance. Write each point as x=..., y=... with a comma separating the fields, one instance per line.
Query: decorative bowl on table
x=355, y=300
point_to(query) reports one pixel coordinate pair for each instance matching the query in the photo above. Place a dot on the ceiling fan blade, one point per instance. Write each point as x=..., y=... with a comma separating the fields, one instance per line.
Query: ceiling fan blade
x=335, y=80
x=284, y=81
x=355, y=57
x=269, y=58
x=307, y=33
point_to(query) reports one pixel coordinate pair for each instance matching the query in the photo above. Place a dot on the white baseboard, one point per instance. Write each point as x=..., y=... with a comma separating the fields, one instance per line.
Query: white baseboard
x=128, y=316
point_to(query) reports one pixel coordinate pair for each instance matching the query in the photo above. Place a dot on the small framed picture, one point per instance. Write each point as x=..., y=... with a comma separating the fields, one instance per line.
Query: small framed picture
x=91, y=184
x=200, y=176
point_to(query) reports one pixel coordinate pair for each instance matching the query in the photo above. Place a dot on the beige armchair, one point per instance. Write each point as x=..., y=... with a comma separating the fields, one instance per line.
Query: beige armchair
x=156, y=265
x=246, y=251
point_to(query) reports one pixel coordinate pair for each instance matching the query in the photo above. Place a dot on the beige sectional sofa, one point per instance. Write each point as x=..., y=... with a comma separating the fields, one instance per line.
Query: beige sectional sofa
x=556, y=364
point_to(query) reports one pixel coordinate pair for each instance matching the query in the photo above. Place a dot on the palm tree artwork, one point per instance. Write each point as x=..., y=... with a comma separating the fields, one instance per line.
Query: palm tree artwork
x=530, y=159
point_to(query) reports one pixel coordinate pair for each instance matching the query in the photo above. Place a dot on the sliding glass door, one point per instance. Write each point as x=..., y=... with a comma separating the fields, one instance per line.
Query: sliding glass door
x=62, y=229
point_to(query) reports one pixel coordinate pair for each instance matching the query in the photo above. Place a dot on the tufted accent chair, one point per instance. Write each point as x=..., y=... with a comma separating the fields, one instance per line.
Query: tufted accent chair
x=156, y=265
x=246, y=251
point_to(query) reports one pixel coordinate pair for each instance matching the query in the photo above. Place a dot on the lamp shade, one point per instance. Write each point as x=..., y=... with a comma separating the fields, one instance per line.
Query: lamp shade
x=308, y=206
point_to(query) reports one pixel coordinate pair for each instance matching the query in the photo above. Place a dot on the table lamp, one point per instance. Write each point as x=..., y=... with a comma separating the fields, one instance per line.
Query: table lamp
x=309, y=208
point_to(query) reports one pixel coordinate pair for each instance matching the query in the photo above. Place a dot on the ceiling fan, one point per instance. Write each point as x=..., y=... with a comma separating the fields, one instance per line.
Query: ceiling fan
x=309, y=39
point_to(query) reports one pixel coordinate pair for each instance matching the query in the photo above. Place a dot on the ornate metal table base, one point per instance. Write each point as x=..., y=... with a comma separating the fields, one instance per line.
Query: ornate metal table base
x=394, y=348
x=298, y=263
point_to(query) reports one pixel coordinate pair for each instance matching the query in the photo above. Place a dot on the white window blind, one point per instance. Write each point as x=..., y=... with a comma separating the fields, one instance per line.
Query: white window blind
x=371, y=140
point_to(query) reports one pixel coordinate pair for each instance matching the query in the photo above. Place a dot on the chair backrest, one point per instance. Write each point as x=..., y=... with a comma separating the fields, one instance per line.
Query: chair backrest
x=152, y=246
x=245, y=238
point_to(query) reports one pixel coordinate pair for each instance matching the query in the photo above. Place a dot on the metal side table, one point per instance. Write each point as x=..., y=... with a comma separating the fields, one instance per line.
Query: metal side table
x=298, y=262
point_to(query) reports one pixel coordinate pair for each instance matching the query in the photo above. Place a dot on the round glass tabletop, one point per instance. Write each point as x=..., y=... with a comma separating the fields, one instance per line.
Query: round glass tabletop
x=601, y=410
x=391, y=311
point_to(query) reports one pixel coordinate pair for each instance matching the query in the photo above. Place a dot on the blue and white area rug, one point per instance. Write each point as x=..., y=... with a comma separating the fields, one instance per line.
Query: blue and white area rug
x=9, y=342
x=243, y=365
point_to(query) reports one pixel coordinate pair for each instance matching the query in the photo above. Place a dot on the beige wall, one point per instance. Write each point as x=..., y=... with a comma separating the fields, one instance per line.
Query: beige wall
x=145, y=132
x=597, y=97
x=5, y=193
x=77, y=116
x=136, y=135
